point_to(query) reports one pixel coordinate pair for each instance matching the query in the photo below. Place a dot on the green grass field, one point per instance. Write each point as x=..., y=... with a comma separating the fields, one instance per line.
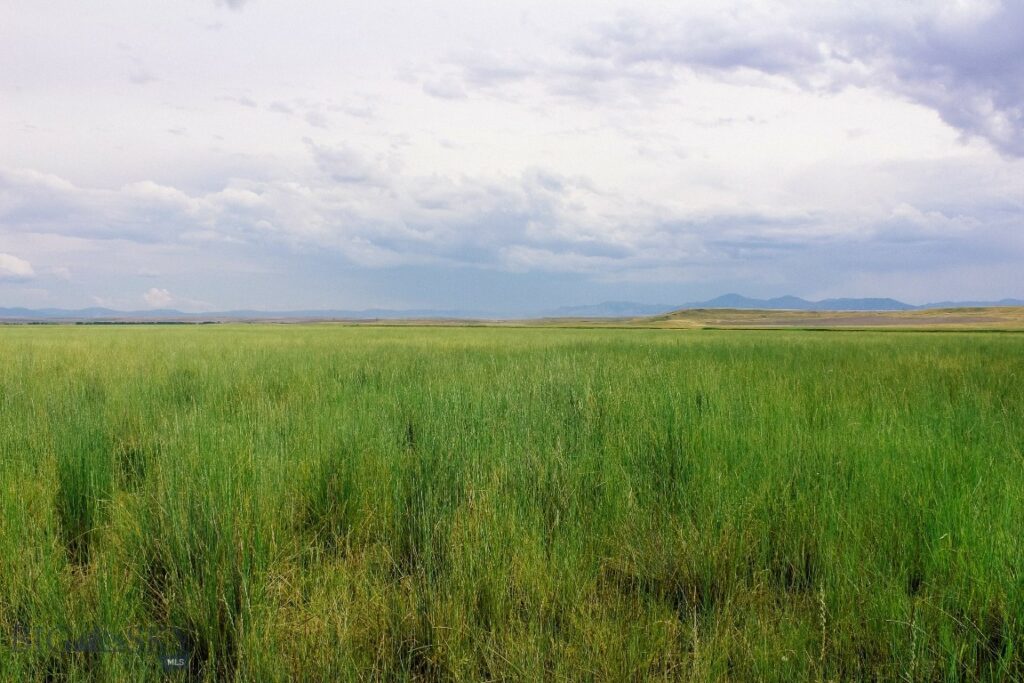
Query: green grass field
x=332, y=503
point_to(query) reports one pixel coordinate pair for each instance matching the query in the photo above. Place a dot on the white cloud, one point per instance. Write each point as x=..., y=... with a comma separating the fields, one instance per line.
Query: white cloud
x=14, y=268
x=156, y=297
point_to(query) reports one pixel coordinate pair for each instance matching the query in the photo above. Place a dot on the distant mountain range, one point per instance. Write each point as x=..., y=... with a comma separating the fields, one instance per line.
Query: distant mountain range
x=171, y=315
x=616, y=309
x=608, y=309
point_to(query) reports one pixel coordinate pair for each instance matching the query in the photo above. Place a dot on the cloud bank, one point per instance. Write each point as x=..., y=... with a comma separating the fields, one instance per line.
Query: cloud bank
x=464, y=154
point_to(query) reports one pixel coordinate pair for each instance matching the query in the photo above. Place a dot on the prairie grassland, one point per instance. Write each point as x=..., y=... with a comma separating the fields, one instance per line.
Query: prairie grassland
x=333, y=503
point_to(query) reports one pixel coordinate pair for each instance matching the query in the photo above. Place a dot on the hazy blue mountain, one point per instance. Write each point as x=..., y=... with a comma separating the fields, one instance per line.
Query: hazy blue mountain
x=727, y=301
x=861, y=305
x=612, y=309
x=974, y=304
x=366, y=314
x=103, y=314
x=87, y=313
x=795, y=303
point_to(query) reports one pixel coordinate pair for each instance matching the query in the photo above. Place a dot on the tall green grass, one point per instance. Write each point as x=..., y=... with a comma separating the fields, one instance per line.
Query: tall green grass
x=331, y=503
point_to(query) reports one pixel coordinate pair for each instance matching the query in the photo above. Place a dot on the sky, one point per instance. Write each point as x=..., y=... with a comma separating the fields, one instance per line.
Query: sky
x=507, y=157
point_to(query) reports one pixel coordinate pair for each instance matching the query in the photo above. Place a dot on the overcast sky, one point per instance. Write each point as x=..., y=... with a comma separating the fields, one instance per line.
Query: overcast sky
x=507, y=157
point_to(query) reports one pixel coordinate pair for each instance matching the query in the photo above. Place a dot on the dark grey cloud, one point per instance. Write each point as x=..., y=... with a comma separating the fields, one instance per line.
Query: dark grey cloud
x=971, y=73
x=968, y=66
x=312, y=113
x=243, y=100
x=343, y=164
x=445, y=87
x=317, y=119
x=140, y=76
x=965, y=62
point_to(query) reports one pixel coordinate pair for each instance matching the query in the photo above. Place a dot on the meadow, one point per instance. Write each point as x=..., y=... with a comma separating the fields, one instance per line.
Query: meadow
x=323, y=502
